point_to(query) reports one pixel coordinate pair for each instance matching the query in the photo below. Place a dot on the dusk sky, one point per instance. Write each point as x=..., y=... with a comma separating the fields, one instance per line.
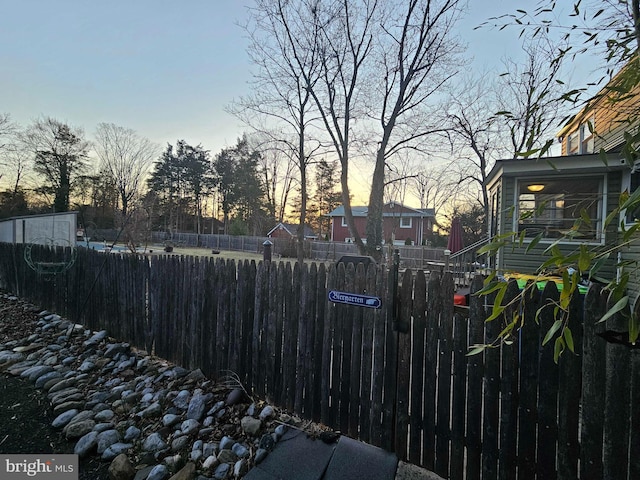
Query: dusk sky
x=164, y=68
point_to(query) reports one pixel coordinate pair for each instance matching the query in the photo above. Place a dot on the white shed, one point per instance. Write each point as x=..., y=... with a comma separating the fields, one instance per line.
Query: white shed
x=46, y=229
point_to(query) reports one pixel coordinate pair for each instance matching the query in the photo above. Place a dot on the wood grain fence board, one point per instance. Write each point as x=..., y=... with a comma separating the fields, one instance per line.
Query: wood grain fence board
x=183, y=320
x=207, y=315
x=290, y=329
x=509, y=389
x=368, y=320
x=445, y=350
x=271, y=318
x=634, y=424
x=528, y=405
x=616, y=413
x=569, y=389
x=257, y=367
x=403, y=386
x=165, y=308
x=309, y=341
x=547, y=390
x=391, y=362
x=241, y=297
x=155, y=303
x=221, y=316
x=417, y=367
x=237, y=298
x=297, y=308
x=491, y=412
x=458, y=412
x=279, y=295
x=356, y=355
x=303, y=324
x=434, y=304
x=177, y=320
x=347, y=334
x=248, y=333
x=378, y=367
x=326, y=402
x=318, y=345
x=336, y=366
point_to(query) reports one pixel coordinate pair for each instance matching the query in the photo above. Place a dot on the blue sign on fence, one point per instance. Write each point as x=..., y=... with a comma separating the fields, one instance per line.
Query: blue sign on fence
x=355, y=299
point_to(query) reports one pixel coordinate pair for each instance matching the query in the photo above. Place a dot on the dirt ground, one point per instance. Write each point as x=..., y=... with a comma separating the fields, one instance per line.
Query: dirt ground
x=25, y=412
x=25, y=426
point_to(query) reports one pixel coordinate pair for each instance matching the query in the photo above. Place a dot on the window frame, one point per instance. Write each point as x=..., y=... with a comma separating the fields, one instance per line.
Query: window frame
x=601, y=208
x=406, y=226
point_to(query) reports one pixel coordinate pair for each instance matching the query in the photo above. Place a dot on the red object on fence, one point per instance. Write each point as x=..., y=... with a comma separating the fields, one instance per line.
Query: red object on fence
x=455, y=243
x=459, y=299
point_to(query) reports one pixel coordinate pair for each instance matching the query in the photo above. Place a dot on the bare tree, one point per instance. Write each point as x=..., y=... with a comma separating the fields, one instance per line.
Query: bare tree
x=278, y=174
x=347, y=41
x=435, y=187
x=477, y=136
x=288, y=66
x=417, y=54
x=530, y=96
x=126, y=158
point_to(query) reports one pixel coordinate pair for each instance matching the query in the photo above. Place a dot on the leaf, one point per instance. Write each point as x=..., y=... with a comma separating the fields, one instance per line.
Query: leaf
x=552, y=331
x=568, y=338
x=534, y=242
x=491, y=287
x=476, y=349
x=622, y=303
x=584, y=260
x=558, y=348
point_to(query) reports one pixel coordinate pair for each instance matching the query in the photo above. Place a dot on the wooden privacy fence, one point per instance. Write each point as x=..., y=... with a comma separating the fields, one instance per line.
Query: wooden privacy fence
x=397, y=376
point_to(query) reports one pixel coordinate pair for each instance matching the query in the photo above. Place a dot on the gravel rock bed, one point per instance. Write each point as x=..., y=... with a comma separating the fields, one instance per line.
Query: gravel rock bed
x=145, y=417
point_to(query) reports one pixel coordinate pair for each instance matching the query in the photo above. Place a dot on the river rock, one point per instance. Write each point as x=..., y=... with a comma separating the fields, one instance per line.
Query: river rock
x=64, y=418
x=78, y=429
x=86, y=445
x=121, y=468
x=186, y=473
x=250, y=425
x=154, y=443
x=159, y=472
x=106, y=439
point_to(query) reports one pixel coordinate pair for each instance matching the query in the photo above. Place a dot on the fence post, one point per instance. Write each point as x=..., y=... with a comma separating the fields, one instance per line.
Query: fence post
x=266, y=253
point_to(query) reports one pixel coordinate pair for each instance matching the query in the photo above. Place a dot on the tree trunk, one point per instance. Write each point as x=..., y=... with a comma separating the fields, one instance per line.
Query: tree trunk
x=374, y=214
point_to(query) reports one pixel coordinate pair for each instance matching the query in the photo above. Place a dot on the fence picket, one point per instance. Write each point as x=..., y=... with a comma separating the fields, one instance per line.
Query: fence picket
x=547, y=389
x=569, y=388
x=528, y=410
x=434, y=304
x=445, y=350
x=509, y=391
x=616, y=414
x=417, y=367
x=404, y=367
x=356, y=355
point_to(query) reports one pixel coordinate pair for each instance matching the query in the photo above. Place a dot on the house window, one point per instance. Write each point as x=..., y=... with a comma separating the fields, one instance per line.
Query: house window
x=573, y=145
x=586, y=137
x=344, y=221
x=405, y=222
x=581, y=141
x=556, y=206
x=633, y=183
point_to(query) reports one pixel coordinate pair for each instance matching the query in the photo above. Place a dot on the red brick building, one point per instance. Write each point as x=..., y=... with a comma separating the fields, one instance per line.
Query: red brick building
x=399, y=223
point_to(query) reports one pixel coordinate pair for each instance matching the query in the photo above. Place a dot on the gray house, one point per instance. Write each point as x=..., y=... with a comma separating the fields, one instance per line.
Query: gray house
x=545, y=196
